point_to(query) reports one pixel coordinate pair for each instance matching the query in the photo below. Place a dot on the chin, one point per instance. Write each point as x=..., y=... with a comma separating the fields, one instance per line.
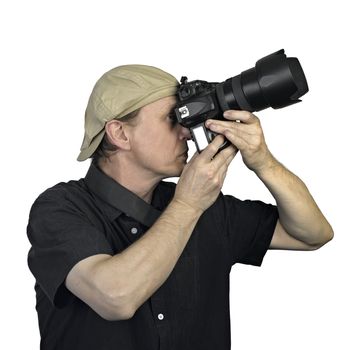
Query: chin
x=175, y=172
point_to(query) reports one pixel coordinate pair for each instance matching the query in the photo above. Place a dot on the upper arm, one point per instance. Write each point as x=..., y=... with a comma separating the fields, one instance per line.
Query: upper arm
x=282, y=240
x=90, y=280
x=61, y=236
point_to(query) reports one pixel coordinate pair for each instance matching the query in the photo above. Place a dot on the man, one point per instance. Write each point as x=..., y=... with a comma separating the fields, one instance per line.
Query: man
x=124, y=260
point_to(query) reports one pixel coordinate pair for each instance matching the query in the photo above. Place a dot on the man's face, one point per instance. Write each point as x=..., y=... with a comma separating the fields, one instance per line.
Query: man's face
x=158, y=145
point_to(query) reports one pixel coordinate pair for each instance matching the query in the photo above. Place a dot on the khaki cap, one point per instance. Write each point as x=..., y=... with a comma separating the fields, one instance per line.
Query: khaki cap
x=119, y=92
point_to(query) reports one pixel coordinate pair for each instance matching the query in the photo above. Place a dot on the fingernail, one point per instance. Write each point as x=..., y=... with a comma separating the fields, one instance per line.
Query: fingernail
x=227, y=114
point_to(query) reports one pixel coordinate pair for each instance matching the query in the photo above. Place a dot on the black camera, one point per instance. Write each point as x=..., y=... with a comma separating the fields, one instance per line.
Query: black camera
x=276, y=81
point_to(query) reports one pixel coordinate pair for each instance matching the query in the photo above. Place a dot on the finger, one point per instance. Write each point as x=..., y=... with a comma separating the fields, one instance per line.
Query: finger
x=243, y=116
x=220, y=127
x=209, y=152
x=222, y=157
x=225, y=165
x=238, y=139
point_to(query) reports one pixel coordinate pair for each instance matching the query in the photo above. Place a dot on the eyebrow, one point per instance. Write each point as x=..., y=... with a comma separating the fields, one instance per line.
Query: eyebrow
x=169, y=109
x=170, y=112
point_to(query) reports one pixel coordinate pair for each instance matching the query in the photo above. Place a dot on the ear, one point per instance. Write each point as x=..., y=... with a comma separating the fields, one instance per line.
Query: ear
x=115, y=131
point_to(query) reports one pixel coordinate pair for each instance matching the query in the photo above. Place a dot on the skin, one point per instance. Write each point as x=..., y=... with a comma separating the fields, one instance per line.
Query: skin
x=150, y=151
x=153, y=148
x=301, y=224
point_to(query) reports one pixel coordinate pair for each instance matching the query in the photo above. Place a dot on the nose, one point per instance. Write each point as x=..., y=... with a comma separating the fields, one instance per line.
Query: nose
x=184, y=133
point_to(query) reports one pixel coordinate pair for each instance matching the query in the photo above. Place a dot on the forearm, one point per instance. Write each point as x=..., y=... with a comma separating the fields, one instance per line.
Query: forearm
x=298, y=212
x=145, y=265
x=299, y=215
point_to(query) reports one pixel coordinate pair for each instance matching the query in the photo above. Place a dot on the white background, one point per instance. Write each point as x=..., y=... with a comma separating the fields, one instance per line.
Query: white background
x=52, y=52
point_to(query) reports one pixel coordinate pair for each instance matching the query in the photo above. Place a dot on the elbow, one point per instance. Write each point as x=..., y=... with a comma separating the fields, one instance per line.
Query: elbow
x=329, y=235
x=117, y=315
x=116, y=298
x=326, y=236
x=118, y=307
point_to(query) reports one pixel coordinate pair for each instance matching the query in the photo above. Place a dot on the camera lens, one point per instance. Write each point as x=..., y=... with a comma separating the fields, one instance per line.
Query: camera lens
x=276, y=81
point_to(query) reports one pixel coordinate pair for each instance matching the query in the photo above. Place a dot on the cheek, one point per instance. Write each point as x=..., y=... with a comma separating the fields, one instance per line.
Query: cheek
x=155, y=144
x=142, y=138
x=145, y=145
x=157, y=140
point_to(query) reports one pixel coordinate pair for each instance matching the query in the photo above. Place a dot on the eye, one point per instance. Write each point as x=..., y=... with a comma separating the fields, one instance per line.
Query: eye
x=172, y=118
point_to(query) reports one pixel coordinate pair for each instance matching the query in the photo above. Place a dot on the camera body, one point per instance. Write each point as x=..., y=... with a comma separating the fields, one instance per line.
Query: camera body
x=197, y=102
x=276, y=81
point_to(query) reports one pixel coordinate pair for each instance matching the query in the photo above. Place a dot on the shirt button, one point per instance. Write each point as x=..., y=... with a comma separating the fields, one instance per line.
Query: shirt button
x=160, y=317
x=134, y=230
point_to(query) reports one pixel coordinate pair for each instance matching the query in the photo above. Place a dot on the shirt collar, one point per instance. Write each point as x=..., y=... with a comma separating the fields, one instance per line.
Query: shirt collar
x=119, y=197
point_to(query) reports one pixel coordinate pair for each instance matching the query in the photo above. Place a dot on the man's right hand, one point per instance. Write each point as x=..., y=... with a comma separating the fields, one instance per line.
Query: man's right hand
x=203, y=176
x=115, y=286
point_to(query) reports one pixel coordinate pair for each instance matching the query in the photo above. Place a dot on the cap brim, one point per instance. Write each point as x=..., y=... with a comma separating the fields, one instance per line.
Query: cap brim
x=87, y=152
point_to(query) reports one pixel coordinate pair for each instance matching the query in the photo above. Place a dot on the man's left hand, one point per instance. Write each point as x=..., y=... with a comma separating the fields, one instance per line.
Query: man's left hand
x=246, y=135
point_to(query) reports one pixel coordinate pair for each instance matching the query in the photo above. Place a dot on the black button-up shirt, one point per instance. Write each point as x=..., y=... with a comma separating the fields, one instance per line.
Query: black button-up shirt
x=96, y=215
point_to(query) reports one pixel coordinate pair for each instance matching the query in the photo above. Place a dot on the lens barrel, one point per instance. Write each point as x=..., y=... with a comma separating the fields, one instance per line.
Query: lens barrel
x=276, y=81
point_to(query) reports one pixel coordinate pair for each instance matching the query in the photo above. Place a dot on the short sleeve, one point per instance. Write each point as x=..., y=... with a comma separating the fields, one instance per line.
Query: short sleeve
x=250, y=226
x=61, y=236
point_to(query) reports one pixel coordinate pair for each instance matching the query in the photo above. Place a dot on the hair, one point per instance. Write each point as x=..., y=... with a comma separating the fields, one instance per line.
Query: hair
x=106, y=148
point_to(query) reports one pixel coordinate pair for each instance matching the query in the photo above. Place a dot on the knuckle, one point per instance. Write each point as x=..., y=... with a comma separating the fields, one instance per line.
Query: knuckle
x=215, y=182
x=246, y=115
x=213, y=147
x=228, y=152
x=210, y=174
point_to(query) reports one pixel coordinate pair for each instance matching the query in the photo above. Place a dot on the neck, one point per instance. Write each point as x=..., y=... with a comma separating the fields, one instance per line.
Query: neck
x=130, y=177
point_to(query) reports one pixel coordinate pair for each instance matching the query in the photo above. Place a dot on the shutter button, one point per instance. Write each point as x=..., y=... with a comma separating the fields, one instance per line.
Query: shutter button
x=134, y=230
x=160, y=317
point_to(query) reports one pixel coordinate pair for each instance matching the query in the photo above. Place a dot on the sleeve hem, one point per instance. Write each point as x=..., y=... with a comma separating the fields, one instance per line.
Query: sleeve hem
x=60, y=296
x=262, y=245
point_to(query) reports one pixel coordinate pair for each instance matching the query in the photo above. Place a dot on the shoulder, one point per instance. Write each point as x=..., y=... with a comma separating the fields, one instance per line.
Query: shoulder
x=64, y=190
x=71, y=193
